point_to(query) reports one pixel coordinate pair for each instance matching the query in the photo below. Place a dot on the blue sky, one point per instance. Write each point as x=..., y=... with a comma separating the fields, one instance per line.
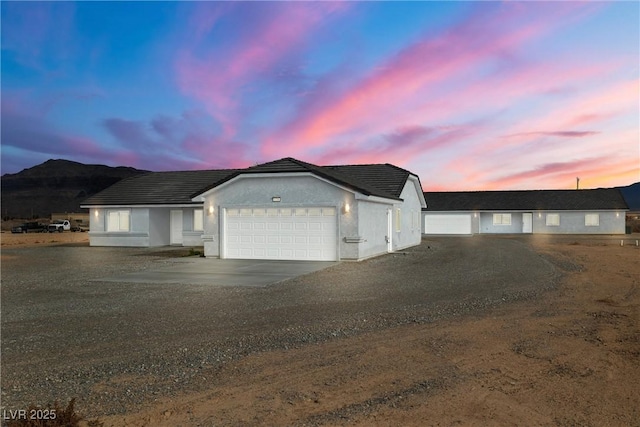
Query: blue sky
x=468, y=95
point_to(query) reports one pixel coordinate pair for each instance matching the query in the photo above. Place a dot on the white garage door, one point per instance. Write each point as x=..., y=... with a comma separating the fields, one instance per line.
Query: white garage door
x=447, y=224
x=282, y=233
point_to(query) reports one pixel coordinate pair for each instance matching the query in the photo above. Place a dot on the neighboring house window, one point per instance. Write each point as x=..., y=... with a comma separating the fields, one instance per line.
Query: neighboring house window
x=592, y=220
x=198, y=220
x=118, y=221
x=553, y=219
x=502, y=219
x=398, y=225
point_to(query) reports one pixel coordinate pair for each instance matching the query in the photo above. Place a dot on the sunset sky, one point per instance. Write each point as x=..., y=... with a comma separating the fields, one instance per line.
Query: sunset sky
x=468, y=95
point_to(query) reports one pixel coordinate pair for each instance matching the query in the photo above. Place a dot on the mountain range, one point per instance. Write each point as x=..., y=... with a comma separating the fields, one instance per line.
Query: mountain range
x=62, y=185
x=56, y=186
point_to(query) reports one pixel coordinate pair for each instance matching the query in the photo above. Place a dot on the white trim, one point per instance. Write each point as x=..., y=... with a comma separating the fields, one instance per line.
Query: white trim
x=201, y=228
x=502, y=215
x=552, y=219
x=178, y=205
x=200, y=197
x=375, y=199
x=120, y=219
x=419, y=190
x=592, y=223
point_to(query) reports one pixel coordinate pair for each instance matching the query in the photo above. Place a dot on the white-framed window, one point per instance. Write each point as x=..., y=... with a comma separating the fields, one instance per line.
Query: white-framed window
x=501, y=219
x=118, y=220
x=398, y=220
x=198, y=220
x=553, y=219
x=592, y=220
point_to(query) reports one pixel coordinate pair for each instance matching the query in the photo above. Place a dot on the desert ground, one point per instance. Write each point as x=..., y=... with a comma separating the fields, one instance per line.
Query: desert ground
x=486, y=330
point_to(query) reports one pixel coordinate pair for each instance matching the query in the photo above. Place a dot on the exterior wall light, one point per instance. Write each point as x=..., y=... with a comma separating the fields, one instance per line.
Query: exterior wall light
x=347, y=208
x=539, y=214
x=617, y=214
x=95, y=213
x=210, y=209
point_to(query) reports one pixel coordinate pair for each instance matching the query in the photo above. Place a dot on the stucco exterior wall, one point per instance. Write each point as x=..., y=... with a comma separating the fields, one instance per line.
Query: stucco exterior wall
x=410, y=233
x=487, y=226
x=149, y=227
x=293, y=191
x=372, y=228
x=610, y=222
x=137, y=236
x=571, y=222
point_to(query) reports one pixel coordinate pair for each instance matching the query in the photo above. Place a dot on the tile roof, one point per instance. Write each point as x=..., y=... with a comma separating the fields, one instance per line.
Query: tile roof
x=383, y=180
x=579, y=200
x=157, y=188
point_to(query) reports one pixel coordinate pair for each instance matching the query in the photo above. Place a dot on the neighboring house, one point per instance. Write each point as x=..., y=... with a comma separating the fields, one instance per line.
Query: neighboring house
x=286, y=209
x=600, y=211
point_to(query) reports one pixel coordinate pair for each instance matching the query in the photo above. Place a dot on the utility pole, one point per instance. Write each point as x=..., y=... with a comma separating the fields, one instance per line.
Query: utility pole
x=577, y=183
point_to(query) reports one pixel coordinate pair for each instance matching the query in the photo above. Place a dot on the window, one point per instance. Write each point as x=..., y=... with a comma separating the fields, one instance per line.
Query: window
x=502, y=219
x=118, y=220
x=553, y=219
x=198, y=220
x=592, y=220
x=398, y=217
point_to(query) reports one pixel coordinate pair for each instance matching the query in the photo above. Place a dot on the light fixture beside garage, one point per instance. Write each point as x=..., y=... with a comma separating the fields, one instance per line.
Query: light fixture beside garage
x=95, y=213
x=347, y=208
x=210, y=209
x=276, y=199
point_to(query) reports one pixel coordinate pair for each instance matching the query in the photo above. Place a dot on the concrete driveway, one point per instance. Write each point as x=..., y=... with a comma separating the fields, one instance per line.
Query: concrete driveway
x=221, y=272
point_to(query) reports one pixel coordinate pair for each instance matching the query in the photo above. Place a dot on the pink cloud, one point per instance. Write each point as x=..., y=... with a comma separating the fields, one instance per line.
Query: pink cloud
x=416, y=73
x=218, y=78
x=398, y=146
x=559, y=133
x=563, y=174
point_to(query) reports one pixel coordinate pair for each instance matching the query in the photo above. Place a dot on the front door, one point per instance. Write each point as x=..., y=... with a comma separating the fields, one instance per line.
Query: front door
x=527, y=222
x=176, y=227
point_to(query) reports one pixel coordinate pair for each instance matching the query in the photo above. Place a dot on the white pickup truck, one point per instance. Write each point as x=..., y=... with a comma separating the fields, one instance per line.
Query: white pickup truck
x=59, y=225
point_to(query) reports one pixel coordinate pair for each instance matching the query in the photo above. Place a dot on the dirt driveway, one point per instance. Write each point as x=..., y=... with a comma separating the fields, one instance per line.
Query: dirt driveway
x=469, y=331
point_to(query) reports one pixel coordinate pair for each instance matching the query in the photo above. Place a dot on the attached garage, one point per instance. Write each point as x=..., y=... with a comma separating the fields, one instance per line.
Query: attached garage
x=447, y=224
x=303, y=233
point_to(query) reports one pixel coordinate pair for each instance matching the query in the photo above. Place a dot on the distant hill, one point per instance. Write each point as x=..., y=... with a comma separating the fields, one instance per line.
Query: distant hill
x=61, y=185
x=56, y=186
x=631, y=194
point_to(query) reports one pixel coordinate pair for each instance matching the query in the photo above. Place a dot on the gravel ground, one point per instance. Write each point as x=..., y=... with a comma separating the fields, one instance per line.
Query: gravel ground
x=65, y=336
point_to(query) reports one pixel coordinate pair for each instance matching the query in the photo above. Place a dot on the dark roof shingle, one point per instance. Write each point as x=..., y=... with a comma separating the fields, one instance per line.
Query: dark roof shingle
x=579, y=200
x=374, y=180
x=382, y=180
x=158, y=188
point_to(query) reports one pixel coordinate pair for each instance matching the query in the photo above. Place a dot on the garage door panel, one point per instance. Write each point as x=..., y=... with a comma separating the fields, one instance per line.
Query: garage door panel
x=448, y=224
x=281, y=233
